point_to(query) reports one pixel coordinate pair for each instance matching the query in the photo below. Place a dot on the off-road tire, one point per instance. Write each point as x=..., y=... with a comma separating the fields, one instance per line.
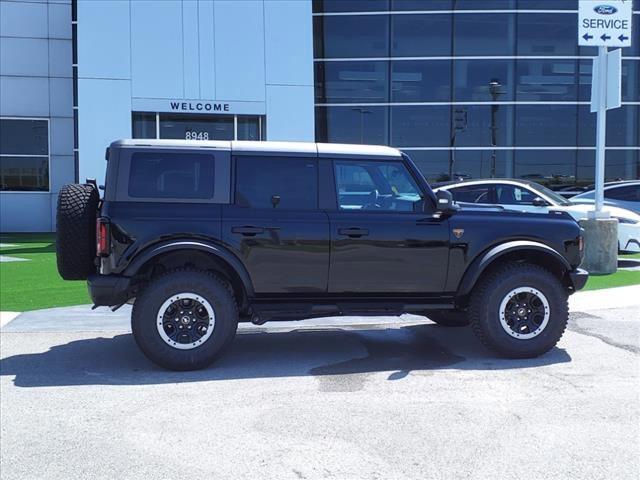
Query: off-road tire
x=448, y=318
x=213, y=289
x=490, y=292
x=76, y=231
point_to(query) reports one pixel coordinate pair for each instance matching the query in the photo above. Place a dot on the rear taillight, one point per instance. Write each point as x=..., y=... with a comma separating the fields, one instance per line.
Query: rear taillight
x=580, y=243
x=102, y=237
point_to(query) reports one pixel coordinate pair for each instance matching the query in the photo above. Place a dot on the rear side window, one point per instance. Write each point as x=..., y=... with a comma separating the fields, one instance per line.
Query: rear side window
x=171, y=175
x=629, y=194
x=277, y=182
x=472, y=194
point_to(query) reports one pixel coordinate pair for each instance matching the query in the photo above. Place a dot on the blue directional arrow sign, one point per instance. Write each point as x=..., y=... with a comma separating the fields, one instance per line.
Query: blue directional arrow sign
x=622, y=38
x=587, y=37
x=604, y=37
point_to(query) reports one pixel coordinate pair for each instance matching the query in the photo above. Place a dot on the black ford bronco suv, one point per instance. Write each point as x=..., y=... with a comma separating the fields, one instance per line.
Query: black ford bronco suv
x=199, y=235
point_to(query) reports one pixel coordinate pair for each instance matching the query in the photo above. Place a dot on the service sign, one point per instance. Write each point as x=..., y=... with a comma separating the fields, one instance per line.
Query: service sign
x=605, y=23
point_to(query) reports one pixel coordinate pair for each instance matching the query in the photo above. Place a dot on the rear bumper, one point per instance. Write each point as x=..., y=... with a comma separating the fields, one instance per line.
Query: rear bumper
x=579, y=278
x=109, y=290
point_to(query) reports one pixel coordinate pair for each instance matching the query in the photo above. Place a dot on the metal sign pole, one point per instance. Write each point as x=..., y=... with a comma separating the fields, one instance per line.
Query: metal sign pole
x=601, y=131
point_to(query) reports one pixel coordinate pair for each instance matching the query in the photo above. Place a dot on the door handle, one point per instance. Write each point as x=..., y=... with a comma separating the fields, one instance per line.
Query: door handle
x=353, y=232
x=247, y=231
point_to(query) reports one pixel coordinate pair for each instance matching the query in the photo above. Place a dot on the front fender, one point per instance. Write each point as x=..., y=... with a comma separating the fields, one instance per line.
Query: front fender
x=173, y=245
x=483, y=260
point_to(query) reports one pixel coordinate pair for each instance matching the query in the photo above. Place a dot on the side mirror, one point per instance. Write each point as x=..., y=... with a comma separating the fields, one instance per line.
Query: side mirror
x=539, y=202
x=445, y=202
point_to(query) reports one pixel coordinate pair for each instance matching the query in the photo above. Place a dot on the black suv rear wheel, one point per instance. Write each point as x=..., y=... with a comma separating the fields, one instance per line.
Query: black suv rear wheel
x=519, y=310
x=185, y=319
x=76, y=231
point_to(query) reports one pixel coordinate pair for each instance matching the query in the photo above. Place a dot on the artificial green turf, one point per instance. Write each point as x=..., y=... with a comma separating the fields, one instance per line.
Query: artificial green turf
x=621, y=278
x=36, y=284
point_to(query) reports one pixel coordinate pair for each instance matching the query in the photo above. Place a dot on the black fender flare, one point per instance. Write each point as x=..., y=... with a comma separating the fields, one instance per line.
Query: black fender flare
x=141, y=258
x=482, y=261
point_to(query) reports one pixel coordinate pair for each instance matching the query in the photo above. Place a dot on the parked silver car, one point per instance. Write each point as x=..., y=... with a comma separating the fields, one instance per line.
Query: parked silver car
x=620, y=194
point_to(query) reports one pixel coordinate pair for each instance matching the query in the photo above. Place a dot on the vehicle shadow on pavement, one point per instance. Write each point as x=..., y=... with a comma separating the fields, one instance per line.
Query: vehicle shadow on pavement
x=259, y=354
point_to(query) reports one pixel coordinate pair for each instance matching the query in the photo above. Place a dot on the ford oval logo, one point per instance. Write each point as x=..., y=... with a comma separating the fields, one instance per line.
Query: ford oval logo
x=605, y=9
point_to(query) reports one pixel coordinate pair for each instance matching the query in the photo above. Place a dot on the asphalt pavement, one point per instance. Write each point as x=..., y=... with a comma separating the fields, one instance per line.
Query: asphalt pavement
x=351, y=398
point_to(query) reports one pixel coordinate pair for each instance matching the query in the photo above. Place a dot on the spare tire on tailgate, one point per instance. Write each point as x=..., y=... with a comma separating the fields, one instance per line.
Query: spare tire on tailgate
x=76, y=231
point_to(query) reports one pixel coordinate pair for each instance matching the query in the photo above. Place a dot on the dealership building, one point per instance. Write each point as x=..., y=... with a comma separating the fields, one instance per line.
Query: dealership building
x=468, y=88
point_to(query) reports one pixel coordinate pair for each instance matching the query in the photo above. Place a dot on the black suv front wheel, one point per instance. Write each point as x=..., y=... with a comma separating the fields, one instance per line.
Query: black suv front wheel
x=184, y=319
x=519, y=310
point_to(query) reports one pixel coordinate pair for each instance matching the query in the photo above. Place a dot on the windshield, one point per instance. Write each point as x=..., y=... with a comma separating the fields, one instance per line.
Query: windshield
x=553, y=196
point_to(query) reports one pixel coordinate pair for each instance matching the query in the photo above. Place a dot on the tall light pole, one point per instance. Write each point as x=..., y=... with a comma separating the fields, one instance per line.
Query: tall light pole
x=495, y=89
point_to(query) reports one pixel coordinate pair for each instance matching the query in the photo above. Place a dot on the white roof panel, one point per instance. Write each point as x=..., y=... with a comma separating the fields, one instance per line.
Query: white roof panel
x=275, y=147
x=348, y=149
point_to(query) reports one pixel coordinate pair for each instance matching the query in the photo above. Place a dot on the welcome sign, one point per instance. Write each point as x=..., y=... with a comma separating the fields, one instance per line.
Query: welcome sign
x=191, y=106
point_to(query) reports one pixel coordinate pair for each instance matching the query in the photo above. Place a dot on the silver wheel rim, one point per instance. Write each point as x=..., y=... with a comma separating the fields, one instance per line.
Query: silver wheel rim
x=524, y=313
x=185, y=321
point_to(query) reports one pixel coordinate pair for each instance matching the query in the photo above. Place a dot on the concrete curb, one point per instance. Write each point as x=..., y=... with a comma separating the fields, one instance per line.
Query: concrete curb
x=6, y=317
x=619, y=297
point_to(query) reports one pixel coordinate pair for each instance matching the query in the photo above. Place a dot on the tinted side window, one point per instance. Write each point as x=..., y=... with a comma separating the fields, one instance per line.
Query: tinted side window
x=378, y=186
x=287, y=183
x=472, y=194
x=630, y=193
x=171, y=175
x=512, y=195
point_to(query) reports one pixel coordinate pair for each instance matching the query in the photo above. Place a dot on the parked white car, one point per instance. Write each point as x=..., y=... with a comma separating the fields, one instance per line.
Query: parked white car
x=620, y=194
x=526, y=196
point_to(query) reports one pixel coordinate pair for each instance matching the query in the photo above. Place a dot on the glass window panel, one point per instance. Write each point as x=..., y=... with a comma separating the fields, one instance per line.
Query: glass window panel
x=552, y=168
x=630, y=80
x=484, y=4
x=484, y=34
x=294, y=180
x=248, y=128
x=474, y=125
x=513, y=195
x=548, y=4
x=385, y=186
x=421, y=126
x=28, y=174
x=352, y=82
x=547, y=34
x=472, y=78
x=196, y=127
x=433, y=164
x=630, y=193
x=623, y=128
x=554, y=80
x=352, y=36
x=618, y=165
x=472, y=193
x=171, y=175
x=479, y=163
x=546, y=125
x=365, y=125
x=421, y=81
x=144, y=125
x=24, y=137
x=421, y=35
x=320, y=6
x=445, y=165
x=418, y=5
